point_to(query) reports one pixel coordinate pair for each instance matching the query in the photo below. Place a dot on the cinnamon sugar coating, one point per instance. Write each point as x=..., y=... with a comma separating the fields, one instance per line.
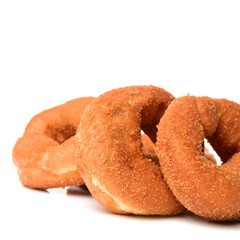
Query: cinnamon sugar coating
x=110, y=156
x=44, y=154
x=207, y=190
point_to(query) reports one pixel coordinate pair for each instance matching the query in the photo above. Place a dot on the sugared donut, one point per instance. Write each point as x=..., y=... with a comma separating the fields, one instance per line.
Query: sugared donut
x=44, y=154
x=110, y=156
x=202, y=187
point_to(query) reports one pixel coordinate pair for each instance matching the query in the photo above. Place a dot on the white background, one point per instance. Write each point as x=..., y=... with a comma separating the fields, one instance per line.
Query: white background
x=54, y=51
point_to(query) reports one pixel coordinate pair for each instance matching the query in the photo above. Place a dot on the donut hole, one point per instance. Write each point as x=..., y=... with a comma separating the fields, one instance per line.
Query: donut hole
x=61, y=133
x=148, y=149
x=150, y=117
x=210, y=153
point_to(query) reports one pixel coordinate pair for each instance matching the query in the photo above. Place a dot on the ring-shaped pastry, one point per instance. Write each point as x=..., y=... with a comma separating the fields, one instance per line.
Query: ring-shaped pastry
x=44, y=154
x=110, y=156
x=202, y=187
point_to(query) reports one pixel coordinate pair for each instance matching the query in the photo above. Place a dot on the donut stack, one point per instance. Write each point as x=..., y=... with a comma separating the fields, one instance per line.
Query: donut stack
x=165, y=171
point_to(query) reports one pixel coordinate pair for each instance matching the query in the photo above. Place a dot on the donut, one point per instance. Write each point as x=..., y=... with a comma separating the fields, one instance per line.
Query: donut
x=110, y=156
x=44, y=154
x=210, y=191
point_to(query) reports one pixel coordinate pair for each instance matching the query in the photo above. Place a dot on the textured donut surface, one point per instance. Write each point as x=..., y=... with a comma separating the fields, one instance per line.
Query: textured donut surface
x=110, y=152
x=204, y=188
x=44, y=154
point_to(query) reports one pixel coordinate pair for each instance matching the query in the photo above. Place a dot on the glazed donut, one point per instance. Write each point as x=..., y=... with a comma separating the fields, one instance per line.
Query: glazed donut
x=207, y=190
x=44, y=155
x=110, y=155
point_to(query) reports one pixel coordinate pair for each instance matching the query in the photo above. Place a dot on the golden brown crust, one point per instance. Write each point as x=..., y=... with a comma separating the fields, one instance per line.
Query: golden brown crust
x=44, y=154
x=206, y=189
x=109, y=151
